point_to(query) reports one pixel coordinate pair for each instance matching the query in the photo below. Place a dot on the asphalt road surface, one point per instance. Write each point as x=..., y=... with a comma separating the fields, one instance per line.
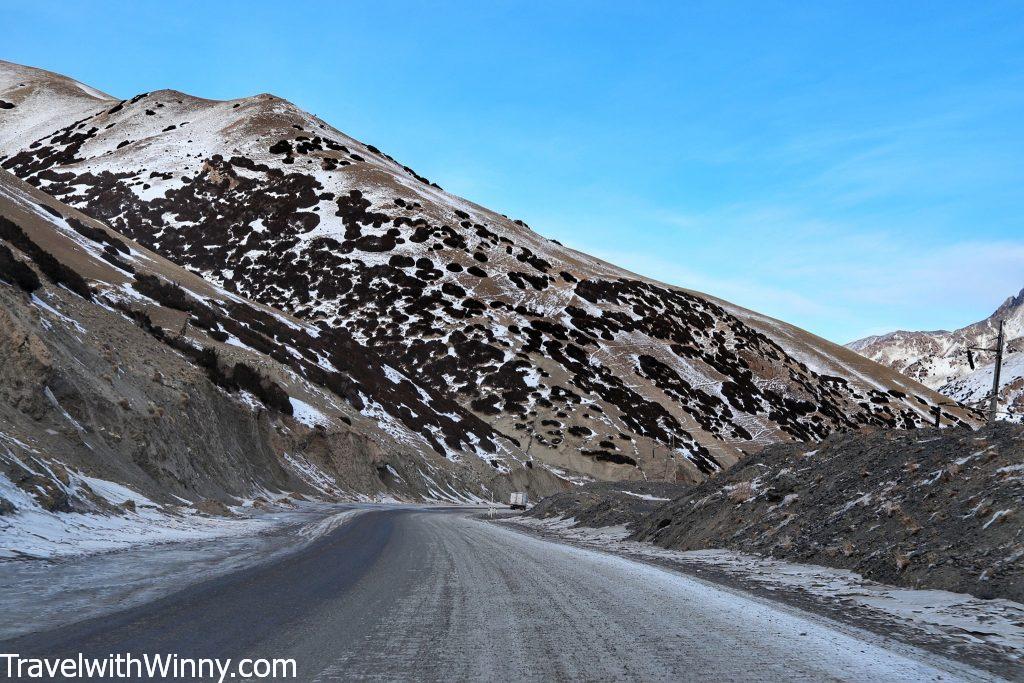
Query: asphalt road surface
x=422, y=595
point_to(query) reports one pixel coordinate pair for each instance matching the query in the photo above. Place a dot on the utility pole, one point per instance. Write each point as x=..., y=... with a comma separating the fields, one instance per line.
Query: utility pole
x=993, y=407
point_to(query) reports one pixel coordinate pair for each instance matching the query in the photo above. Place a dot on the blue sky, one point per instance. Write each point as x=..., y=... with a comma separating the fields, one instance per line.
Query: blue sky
x=849, y=167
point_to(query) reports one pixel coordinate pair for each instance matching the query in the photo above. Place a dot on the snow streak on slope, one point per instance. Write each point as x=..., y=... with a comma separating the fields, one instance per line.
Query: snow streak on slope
x=587, y=366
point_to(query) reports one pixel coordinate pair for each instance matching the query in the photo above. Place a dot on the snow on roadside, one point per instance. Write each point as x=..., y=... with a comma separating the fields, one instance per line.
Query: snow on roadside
x=34, y=532
x=960, y=618
x=45, y=595
x=311, y=474
x=326, y=525
x=37, y=533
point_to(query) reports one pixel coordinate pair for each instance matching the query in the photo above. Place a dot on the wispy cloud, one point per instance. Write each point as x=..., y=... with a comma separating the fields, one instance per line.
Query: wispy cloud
x=909, y=220
x=833, y=277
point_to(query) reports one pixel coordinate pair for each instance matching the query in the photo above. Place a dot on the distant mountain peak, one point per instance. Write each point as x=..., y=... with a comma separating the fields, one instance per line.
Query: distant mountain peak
x=1013, y=306
x=939, y=359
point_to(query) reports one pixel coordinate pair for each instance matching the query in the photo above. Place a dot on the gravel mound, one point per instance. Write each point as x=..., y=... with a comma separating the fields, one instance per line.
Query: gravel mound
x=921, y=508
x=601, y=504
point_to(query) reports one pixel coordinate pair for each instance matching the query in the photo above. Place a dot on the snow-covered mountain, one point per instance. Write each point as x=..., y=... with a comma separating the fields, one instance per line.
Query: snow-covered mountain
x=576, y=363
x=42, y=99
x=939, y=359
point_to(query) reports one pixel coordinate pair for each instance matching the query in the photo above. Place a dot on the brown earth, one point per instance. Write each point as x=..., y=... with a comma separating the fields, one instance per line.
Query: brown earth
x=922, y=508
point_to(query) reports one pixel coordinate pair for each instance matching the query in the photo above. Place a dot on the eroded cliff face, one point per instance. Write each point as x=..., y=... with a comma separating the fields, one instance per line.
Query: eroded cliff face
x=27, y=365
x=88, y=398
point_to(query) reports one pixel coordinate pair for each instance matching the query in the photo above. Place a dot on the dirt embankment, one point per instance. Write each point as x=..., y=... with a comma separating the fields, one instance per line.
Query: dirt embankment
x=600, y=504
x=920, y=508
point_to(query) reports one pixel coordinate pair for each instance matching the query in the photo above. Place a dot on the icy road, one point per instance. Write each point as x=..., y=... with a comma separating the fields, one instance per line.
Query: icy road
x=428, y=595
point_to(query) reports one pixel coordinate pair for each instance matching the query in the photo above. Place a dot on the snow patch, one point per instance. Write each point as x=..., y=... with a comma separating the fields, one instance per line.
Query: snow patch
x=307, y=414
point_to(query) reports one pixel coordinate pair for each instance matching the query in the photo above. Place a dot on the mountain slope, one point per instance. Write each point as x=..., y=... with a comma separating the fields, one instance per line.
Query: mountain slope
x=939, y=359
x=583, y=365
x=131, y=388
x=39, y=102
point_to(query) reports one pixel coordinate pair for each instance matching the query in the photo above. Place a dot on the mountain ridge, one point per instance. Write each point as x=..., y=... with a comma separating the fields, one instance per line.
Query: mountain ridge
x=596, y=370
x=939, y=359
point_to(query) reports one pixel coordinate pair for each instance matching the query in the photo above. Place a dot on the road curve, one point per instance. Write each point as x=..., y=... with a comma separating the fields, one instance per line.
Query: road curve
x=420, y=595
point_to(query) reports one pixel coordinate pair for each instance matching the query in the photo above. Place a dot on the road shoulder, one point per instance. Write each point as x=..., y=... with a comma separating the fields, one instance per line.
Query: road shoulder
x=985, y=634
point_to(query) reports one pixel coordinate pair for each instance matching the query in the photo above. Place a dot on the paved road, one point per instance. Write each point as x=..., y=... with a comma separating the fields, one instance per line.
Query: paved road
x=419, y=595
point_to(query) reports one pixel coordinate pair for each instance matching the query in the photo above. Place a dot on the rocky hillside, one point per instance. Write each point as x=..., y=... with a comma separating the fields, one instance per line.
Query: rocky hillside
x=123, y=370
x=939, y=360
x=924, y=508
x=582, y=365
x=605, y=503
